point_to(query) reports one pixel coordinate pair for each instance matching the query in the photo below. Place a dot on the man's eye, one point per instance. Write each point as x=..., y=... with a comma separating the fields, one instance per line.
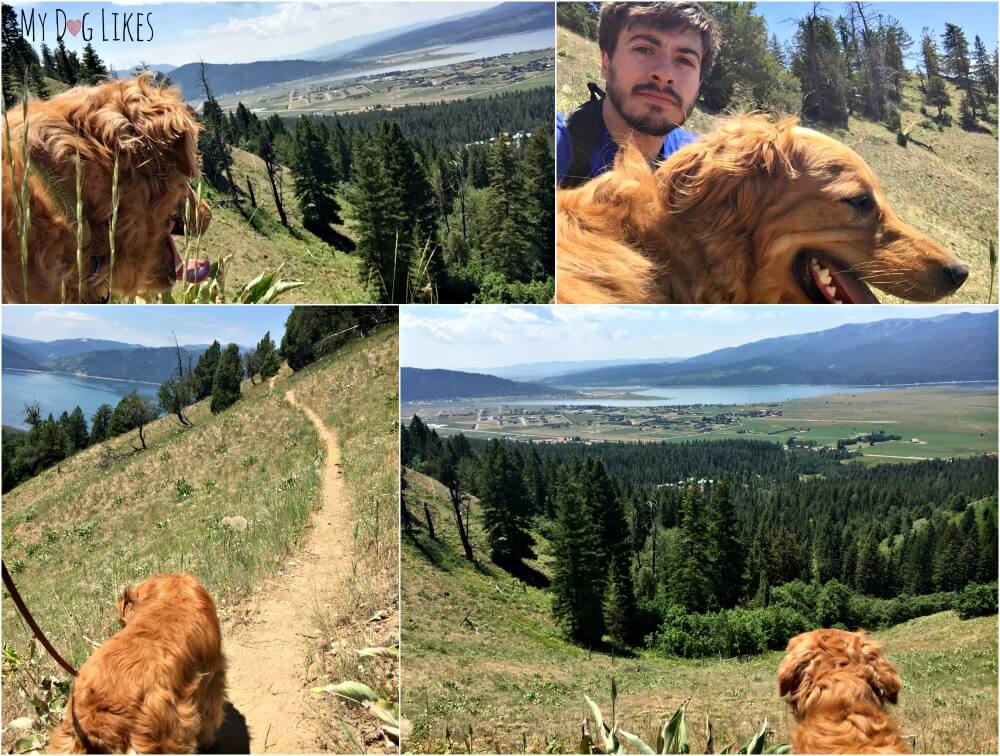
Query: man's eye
x=643, y=50
x=687, y=62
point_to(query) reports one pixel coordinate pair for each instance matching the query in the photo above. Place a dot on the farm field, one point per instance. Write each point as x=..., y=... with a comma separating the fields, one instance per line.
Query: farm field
x=487, y=671
x=946, y=421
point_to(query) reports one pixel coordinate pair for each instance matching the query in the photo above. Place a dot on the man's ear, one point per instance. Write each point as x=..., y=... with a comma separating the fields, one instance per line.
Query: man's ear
x=605, y=64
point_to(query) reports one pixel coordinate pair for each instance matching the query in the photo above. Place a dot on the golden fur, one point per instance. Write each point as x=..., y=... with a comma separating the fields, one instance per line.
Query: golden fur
x=158, y=685
x=837, y=685
x=154, y=135
x=728, y=218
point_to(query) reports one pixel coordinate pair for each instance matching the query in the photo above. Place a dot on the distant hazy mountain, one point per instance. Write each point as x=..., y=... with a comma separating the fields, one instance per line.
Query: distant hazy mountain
x=500, y=20
x=228, y=78
x=538, y=371
x=423, y=385
x=128, y=73
x=346, y=46
x=955, y=347
x=97, y=357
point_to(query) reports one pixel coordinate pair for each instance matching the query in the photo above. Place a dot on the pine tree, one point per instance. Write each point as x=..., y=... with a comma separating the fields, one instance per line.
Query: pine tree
x=691, y=586
x=506, y=516
x=619, y=602
x=966, y=117
x=315, y=180
x=777, y=51
x=818, y=65
x=100, y=424
x=269, y=361
x=534, y=482
x=577, y=578
x=377, y=216
x=65, y=64
x=984, y=73
x=725, y=553
x=932, y=64
x=956, y=55
x=868, y=574
x=76, y=430
x=986, y=570
x=507, y=243
x=265, y=150
x=92, y=68
x=133, y=412
x=937, y=95
x=540, y=197
x=228, y=376
x=48, y=62
x=204, y=371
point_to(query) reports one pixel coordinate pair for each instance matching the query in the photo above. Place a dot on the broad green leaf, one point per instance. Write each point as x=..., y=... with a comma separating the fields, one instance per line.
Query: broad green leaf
x=635, y=741
x=279, y=288
x=353, y=691
x=757, y=743
x=29, y=743
x=675, y=738
x=595, y=712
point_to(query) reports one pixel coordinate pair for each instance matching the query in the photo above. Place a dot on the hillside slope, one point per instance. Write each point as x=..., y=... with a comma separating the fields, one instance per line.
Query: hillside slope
x=947, y=189
x=258, y=242
x=260, y=460
x=481, y=651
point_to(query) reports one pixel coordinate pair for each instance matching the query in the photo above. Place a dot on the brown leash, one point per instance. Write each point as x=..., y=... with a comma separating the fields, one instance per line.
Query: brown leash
x=19, y=603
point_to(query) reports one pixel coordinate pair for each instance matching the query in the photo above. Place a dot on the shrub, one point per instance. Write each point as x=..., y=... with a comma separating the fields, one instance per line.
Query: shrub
x=901, y=139
x=893, y=120
x=977, y=601
x=183, y=488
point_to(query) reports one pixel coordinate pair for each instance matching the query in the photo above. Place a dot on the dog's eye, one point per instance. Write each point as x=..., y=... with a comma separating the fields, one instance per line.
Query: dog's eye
x=863, y=202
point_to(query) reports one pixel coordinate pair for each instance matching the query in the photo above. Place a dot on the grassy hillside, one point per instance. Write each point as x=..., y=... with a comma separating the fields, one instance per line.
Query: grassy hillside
x=507, y=674
x=947, y=189
x=258, y=242
x=74, y=535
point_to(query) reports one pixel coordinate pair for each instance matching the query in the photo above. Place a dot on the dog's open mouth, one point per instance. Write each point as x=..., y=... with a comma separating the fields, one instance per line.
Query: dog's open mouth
x=826, y=281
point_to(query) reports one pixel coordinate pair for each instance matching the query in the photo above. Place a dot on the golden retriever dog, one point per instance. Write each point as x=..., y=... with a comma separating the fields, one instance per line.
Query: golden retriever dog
x=837, y=685
x=758, y=211
x=156, y=686
x=154, y=136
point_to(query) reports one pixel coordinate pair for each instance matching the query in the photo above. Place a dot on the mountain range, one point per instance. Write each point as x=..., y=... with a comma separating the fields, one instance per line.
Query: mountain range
x=97, y=358
x=954, y=347
x=417, y=385
x=343, y=56
x=947, y=348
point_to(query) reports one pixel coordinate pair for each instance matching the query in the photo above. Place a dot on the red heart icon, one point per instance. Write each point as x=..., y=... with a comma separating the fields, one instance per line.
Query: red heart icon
x=74, y=27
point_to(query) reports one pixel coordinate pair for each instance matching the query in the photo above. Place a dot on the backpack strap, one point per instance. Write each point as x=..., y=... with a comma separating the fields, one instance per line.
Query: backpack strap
x=584, y=125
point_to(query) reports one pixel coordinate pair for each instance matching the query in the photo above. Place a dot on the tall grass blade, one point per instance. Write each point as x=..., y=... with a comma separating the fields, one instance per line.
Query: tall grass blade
x=79, y=227
x=114, y=223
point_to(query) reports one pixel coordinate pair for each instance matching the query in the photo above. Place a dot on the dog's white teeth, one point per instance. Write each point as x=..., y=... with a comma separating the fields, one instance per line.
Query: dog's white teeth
x=825, y=277
x=837, y=301
x=831, y=290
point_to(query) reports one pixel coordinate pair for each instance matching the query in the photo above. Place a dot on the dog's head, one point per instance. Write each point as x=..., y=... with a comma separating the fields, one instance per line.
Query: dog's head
x=152, y=136
x=835, y=664
x=173, y=587
x=812, y=212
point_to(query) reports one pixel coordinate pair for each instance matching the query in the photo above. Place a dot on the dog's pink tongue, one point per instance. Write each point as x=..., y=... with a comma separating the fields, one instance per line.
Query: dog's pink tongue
x=852, y=290
x=197, y=269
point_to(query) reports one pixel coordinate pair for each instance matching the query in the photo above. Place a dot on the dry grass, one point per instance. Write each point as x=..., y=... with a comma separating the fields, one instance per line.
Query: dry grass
x=77, y=533
x=517, y=684
x=947, y=190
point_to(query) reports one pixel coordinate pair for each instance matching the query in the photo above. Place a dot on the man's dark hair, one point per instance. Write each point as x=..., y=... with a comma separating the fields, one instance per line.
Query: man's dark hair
x=663, y=16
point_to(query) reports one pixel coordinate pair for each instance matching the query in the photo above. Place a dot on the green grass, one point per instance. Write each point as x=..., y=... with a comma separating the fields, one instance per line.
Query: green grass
x=514, y=681
x=947, y=190
x=79, y=532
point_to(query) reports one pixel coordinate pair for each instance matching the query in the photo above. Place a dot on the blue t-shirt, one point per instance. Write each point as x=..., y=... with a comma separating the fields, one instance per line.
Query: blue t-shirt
x=602, y=157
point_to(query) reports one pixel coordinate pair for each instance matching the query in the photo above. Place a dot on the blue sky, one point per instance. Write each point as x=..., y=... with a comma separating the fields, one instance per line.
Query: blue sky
x=149, y=325
x=974, y=18
x=231, y=32
x=485, y=336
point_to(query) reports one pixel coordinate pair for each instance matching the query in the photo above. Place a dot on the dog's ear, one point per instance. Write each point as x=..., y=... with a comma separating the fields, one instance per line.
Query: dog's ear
x=882, y=676
x=792, y=672
x=125, y=603
x=154, y=125
x=730, y=174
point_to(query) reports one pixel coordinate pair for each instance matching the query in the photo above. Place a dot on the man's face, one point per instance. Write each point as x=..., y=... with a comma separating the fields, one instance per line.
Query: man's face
x=653, y=77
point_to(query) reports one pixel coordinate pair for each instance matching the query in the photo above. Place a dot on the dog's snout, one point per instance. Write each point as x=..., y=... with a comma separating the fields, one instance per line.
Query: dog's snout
x=957, y=274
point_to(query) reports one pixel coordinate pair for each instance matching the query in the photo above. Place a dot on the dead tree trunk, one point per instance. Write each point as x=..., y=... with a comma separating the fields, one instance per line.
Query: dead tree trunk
x=430, y=522
x=253, y=199
x=463, y=533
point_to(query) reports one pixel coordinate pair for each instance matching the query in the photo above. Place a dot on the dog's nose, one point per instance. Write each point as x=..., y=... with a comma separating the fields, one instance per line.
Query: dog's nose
x=957, y=274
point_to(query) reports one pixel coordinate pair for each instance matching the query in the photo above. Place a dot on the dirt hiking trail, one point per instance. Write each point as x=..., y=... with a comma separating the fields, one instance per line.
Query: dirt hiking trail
x=268, y=654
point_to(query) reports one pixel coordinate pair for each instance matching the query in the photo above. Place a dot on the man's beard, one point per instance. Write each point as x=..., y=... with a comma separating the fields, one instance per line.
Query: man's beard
x=651, y=122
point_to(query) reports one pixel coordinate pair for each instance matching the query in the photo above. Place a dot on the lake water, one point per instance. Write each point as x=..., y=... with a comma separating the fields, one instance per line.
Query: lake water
x=678, y=395
x=540, y=39
x=56, y=392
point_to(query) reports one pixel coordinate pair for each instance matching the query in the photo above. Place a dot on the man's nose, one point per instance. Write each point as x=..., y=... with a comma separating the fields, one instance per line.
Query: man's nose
x=663, y=70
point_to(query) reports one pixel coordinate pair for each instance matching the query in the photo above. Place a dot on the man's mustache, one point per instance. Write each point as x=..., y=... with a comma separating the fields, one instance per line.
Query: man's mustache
x=667, y=90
